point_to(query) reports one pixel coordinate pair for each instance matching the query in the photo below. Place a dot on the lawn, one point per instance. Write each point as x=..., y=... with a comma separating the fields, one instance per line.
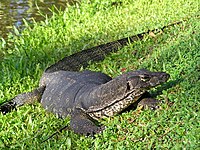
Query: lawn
x=25, y=55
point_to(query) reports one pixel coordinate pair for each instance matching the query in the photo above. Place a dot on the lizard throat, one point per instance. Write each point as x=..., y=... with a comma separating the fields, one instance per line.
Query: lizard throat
x=116, y=107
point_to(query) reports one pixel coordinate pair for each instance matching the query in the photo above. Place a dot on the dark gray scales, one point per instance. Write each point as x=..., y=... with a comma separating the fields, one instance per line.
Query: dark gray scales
x=89, y=96
x=65, y=90
x=95, y=93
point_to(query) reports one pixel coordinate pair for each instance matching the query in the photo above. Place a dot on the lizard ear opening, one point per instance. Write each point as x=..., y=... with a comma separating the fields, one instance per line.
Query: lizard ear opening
x=131, y=82
x=128, y=86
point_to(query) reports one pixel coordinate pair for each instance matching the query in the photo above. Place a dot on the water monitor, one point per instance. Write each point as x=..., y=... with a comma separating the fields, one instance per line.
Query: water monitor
x=88, y=96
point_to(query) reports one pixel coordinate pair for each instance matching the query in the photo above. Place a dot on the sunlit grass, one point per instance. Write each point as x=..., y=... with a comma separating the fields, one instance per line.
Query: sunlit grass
x=176, y=51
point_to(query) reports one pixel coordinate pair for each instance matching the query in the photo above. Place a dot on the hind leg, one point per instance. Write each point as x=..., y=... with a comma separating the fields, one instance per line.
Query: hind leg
x=21, y=99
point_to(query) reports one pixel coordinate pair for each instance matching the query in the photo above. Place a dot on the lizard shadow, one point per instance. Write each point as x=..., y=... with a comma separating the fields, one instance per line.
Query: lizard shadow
x=165, y=86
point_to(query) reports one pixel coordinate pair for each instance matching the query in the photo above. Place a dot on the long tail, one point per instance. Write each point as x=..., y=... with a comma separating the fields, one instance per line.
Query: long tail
x=21, y=99
x=81, y=59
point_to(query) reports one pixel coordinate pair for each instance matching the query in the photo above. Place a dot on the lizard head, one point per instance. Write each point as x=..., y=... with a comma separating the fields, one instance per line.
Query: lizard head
x=144, y=79
x=119, y=93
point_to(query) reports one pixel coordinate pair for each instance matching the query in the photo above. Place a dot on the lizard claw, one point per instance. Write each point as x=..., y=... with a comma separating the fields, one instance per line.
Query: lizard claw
x=7, y=107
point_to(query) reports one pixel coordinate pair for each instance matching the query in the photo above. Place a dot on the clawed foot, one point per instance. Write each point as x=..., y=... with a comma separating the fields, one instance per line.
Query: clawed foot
x=7, y=107
x=83, y=124
x=89, y=130
x=150, y=103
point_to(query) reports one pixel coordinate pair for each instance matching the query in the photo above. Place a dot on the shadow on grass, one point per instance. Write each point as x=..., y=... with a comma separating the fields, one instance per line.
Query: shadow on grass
x=165, y=86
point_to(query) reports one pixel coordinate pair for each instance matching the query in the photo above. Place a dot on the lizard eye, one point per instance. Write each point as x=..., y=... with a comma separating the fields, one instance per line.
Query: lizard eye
x=144, y=77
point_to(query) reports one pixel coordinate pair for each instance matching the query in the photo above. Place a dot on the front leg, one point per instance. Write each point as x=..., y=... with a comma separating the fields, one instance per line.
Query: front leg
x=145, y=101
x=148, y=102
x=82, y=123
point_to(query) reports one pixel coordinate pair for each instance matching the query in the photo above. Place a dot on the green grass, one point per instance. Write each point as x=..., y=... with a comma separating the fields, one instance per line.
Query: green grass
x=176, y=51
